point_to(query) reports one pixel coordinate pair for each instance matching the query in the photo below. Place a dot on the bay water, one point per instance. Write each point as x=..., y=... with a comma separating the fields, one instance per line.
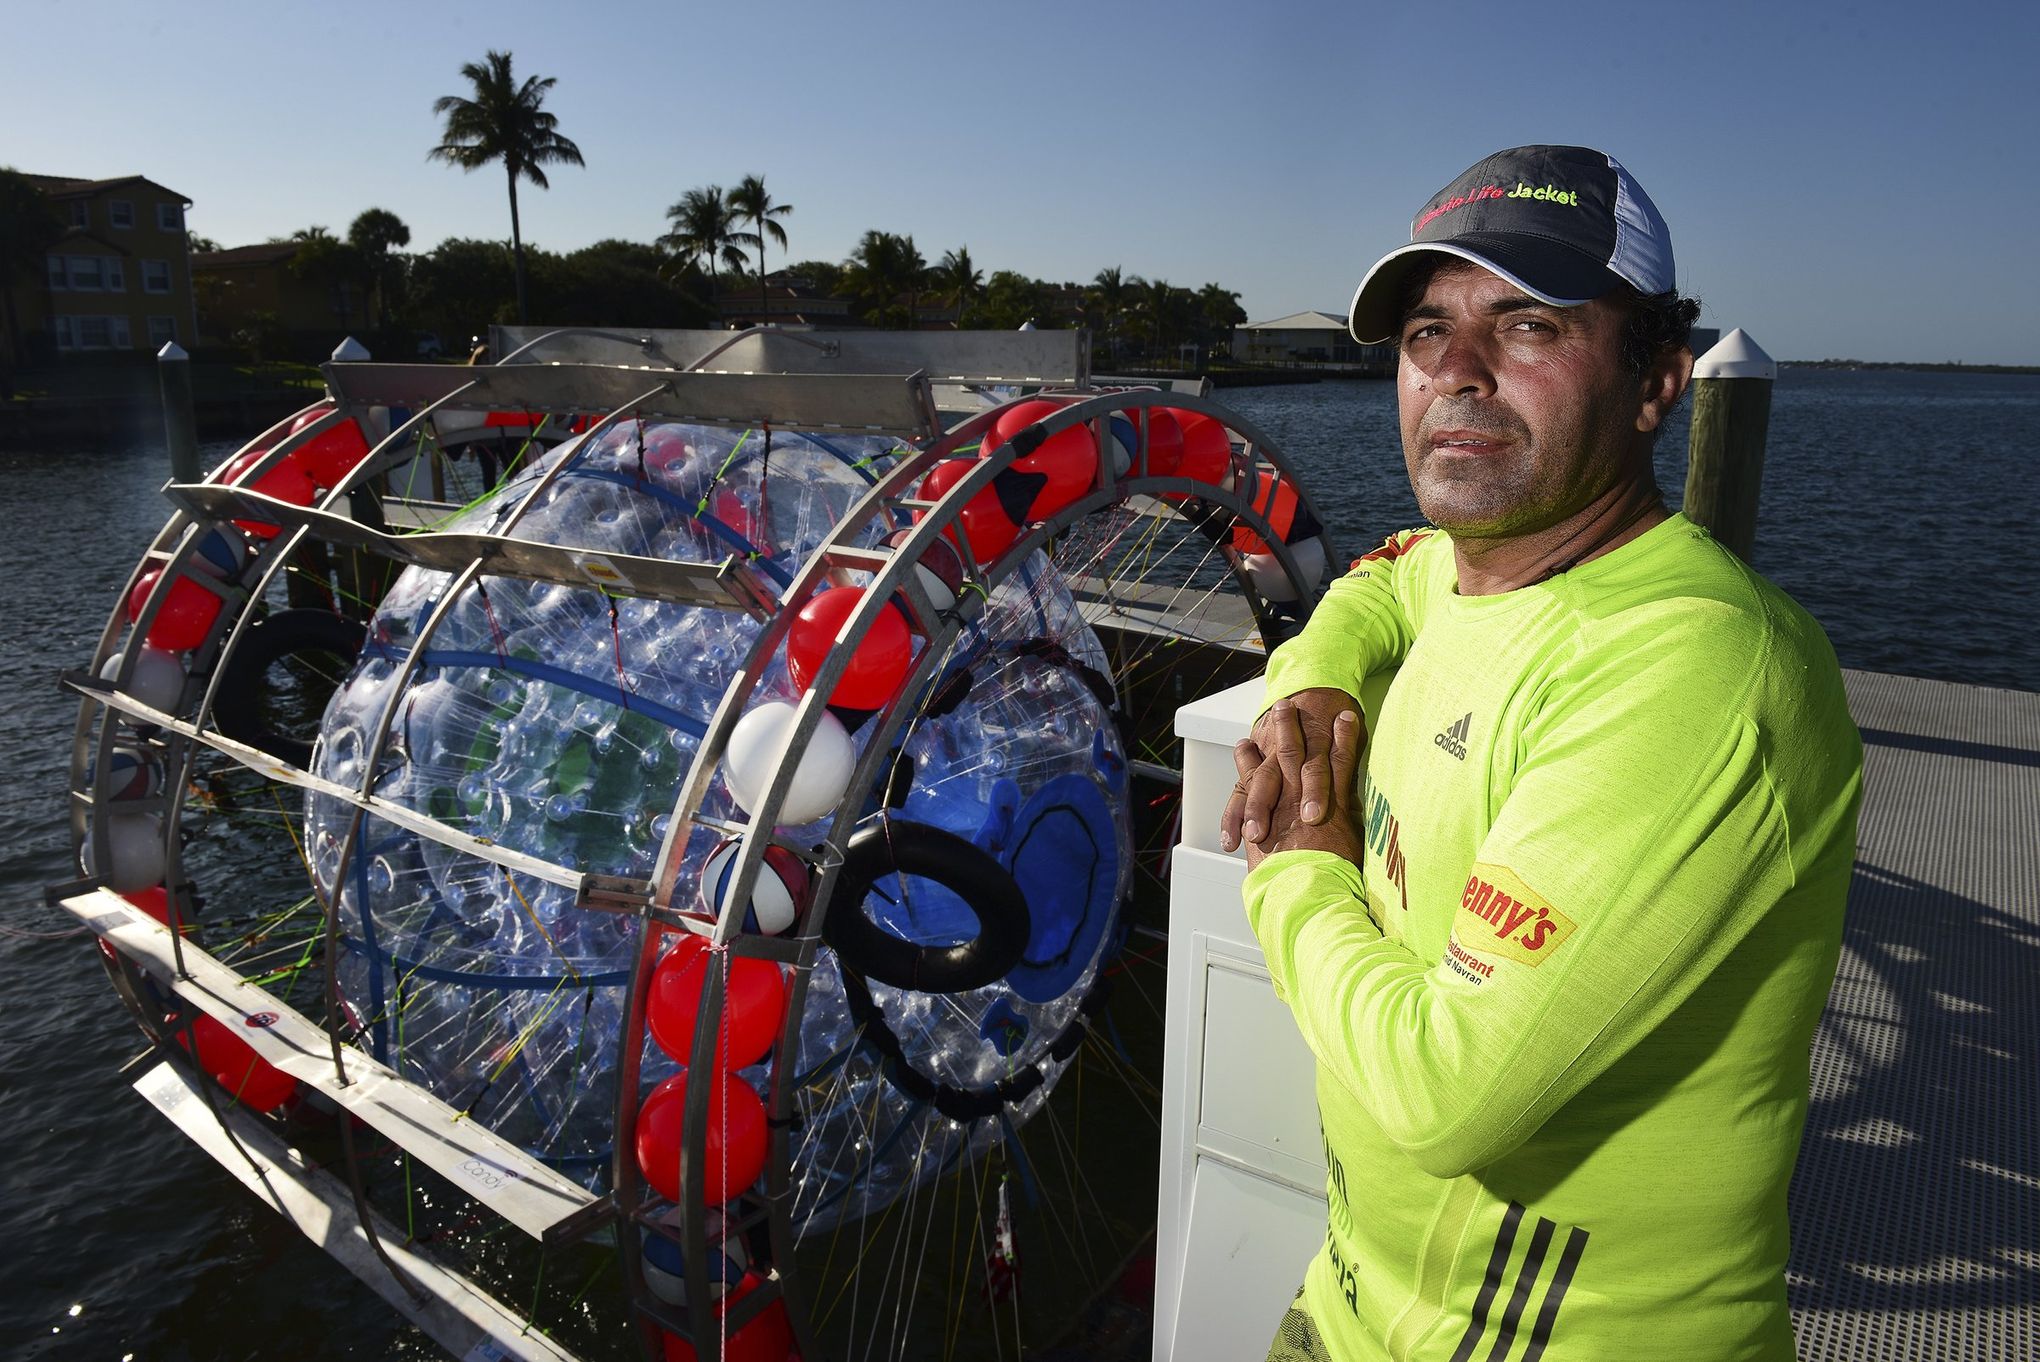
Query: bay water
x=1899, y=508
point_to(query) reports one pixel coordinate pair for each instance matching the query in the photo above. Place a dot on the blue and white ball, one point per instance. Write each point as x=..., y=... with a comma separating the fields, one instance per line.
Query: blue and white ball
x=665, y=1264
x=776, y=897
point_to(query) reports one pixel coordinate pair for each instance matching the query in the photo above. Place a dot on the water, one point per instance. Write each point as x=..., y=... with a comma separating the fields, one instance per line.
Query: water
x=1897, y=508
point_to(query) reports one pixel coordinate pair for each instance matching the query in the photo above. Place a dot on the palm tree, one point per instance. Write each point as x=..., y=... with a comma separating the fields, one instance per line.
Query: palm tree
x=374, y=235
x=504, y=122
x=1218, y=312
x=750, y=202
x=1110, y=292
x=957, y=280
x=1151, y=301
x=376, y=231
x=705, y=233
x=884, y=266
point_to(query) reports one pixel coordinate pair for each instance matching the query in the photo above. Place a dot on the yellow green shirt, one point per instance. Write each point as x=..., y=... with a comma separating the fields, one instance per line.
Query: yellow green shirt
x=1562, y=1011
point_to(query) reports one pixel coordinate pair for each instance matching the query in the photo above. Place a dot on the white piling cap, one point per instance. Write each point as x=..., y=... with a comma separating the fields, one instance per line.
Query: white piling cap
x=172, y=351
x=1736, y=356
x=350, y=351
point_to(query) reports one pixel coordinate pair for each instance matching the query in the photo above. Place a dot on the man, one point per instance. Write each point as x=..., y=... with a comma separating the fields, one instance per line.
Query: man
x=1561, y=958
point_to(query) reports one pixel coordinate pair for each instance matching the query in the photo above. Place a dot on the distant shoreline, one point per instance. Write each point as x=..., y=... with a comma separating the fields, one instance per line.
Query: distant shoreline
x=1910, y=366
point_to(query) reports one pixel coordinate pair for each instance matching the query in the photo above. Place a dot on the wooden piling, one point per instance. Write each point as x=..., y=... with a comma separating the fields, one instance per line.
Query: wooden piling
x=180, y=418
x=1725, y=458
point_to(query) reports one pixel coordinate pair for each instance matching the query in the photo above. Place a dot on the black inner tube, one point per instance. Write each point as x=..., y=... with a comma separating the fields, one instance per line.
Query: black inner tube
x=896, y=845
x=240, y=710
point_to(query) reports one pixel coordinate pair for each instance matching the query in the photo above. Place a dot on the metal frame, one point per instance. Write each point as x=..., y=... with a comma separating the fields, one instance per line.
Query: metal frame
x=893, y=575
x=808, y=389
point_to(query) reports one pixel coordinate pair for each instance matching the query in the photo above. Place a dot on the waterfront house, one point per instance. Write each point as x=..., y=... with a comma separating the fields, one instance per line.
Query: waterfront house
x=255, y=297
x=1310, y=338
x=120, y=278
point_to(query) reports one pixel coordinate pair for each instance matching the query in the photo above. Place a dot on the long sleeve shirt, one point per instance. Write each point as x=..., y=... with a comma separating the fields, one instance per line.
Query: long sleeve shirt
x=1562, y=1009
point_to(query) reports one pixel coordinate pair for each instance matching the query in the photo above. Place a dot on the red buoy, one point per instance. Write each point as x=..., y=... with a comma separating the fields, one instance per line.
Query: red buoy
x=876, y=668
x=733, y=1145
x=754, y=1004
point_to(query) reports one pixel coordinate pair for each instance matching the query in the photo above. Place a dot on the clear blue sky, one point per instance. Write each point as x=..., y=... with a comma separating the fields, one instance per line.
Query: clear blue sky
x=1840, y=180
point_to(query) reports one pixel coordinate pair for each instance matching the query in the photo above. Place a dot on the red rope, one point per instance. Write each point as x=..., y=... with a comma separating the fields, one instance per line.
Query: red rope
x=616, y=642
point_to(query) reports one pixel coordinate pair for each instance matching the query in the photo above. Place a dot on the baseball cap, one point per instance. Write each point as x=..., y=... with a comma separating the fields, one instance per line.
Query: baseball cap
x=1564, y=224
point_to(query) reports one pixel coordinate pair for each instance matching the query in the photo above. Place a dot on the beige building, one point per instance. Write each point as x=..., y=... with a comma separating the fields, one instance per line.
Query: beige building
x=258, y=288
x=1309, y=338
x=119, y=280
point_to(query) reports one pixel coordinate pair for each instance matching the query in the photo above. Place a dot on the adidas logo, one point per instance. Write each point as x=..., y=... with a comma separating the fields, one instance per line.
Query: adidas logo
x=1453, y=739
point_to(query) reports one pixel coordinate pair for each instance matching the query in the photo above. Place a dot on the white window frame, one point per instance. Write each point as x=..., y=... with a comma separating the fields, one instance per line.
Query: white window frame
x=66, y=337
x=162, y=331
x=121, y=335
x=80, y=327
x=114, y=272
x=60, y=273
x=98, y=263
x=116, y=209
x=148, y=284
x=169, y=217
x=81, y=213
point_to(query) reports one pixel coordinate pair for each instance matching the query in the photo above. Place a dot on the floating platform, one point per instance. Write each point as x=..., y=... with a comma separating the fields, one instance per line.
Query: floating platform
x=1916, y=1205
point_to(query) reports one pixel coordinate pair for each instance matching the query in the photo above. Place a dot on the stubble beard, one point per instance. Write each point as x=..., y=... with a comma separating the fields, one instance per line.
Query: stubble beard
x=1484, y=497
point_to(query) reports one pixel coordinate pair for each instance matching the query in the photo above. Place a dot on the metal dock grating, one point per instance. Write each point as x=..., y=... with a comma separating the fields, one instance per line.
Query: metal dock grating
x=1916, y=1204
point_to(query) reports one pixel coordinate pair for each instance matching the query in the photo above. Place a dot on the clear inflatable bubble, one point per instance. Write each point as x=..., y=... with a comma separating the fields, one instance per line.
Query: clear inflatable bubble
x=559, y=722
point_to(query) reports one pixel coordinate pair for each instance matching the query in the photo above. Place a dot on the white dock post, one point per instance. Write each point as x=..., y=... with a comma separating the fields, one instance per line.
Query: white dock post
x=180, y=422
x=1725, y=459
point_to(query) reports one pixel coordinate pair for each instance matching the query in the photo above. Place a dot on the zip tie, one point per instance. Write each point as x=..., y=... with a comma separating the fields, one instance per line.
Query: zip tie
x=495, y=629
x=616, y=641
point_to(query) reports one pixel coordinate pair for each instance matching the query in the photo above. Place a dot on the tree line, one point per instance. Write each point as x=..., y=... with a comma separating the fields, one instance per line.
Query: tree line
x=687, y=275
x=461, y=285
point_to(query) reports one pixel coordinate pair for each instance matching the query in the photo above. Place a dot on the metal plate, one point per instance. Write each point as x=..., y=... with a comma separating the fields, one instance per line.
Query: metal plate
x=1022, y=357
x=888, y=404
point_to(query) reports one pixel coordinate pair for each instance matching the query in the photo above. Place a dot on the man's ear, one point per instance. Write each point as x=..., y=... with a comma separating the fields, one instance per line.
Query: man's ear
x=1664, y=382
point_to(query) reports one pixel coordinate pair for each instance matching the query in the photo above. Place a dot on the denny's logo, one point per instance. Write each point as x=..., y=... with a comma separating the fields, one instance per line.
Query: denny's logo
x=1501, y=915
x=1547, y=193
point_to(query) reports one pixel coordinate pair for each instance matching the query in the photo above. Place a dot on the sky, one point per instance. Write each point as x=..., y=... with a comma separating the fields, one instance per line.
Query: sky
x=1840, y=180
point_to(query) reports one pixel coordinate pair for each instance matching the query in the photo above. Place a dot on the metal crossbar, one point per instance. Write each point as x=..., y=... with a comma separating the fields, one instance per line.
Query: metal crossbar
x=539, y=1201
x=727, y=585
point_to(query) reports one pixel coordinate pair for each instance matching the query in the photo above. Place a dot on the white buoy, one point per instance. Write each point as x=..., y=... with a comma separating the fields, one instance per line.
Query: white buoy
x=757, y=746
x=158, y=681
x=134, y=844
x=1265, y=571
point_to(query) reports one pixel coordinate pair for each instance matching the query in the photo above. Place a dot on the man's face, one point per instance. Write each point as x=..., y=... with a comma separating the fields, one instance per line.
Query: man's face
x=1516, y=414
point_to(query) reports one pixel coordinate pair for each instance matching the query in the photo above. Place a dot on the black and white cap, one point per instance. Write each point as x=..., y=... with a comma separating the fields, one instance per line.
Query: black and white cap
x=1564, y=224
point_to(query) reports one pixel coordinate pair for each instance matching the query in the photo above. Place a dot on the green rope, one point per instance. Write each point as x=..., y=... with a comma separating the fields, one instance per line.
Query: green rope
x=702, y=506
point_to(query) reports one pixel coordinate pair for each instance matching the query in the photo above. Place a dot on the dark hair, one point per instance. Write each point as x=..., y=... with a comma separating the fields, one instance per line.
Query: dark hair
x=1657, y=322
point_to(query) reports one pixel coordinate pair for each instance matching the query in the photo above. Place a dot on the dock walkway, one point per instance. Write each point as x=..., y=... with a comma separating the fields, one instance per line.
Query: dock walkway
x=1916, y=1205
